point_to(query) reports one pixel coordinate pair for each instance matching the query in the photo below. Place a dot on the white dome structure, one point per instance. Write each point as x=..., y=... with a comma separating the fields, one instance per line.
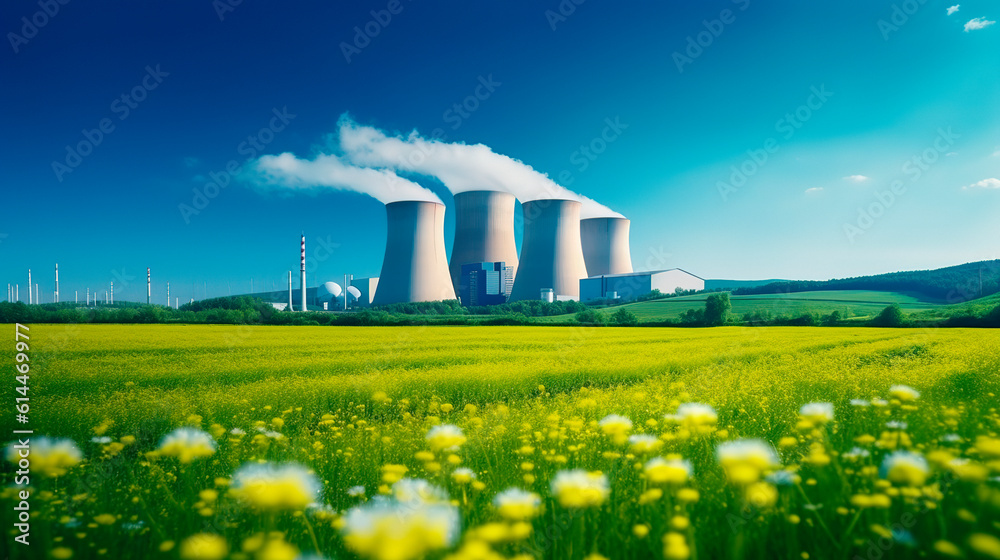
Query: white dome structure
x=354, y=292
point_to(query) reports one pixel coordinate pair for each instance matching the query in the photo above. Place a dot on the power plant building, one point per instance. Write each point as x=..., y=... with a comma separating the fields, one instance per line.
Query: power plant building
x=626, y=287
x=487, y=283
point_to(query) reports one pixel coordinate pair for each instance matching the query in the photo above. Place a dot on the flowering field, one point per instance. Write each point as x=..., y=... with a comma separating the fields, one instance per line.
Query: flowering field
x=268, y=443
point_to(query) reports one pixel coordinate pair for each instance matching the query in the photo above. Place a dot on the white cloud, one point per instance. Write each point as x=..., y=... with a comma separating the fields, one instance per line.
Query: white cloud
x=814, y=190
x=952, y=9
x=977, y=23
x=991, y=183
x=856, y=178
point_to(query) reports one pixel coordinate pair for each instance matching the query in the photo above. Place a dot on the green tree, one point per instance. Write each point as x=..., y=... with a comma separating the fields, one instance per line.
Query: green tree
x=717, y=308
x=891, y=316
x=590, y=317
x=624, y=318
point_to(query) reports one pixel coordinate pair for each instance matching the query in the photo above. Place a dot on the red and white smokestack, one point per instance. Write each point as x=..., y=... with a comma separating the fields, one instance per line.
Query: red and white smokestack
x=149, y=287
x=168, y=294
x=302, y=273
x=112, y=293
x=57, y=283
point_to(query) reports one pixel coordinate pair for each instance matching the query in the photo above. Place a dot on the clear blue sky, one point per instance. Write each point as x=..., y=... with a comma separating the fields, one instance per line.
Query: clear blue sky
x=887, y=90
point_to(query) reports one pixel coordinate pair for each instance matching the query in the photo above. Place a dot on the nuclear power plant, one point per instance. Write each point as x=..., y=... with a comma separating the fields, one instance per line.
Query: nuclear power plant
x=484, y=232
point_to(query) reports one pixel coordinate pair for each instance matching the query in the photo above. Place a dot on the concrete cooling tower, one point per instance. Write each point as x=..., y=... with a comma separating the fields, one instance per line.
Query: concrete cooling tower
x=551, y=254
x=484, y=230
x=605, y=246
x=415, y=266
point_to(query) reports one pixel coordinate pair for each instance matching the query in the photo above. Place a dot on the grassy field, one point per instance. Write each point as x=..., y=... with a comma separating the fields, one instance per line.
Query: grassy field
x=850, y=303
x=406, y=436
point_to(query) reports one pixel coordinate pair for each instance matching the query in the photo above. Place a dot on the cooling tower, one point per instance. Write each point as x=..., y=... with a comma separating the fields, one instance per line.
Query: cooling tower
x=605, y=246
x=415, y=266
x=484, y=231
x=551, y=254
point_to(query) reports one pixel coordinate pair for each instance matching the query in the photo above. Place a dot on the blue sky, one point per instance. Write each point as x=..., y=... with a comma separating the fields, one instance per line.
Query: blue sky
x=898, y=93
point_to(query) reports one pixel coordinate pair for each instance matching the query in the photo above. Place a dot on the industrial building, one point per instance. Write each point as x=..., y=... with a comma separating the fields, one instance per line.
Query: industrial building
x=366, y=290
x=625, y=287
x=487, y=283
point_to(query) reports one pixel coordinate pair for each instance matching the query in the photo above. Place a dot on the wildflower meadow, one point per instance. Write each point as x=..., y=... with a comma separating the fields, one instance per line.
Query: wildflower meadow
x=466, y=443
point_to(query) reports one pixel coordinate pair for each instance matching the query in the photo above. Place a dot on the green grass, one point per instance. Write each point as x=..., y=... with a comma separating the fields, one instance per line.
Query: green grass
x=856, y=304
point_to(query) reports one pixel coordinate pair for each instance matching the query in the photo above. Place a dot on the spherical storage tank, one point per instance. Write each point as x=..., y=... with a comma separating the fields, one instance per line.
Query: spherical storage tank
x=328, y=291
x=354, y=292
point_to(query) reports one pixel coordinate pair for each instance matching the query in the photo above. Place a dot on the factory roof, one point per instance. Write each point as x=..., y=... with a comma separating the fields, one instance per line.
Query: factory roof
x=645, y=273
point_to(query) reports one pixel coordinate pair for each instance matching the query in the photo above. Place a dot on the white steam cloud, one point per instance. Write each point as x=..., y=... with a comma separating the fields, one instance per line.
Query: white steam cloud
x=330, y=171
x=460, y=167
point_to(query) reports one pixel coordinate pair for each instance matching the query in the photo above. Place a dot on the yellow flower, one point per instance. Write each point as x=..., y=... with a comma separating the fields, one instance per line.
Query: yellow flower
x=985, y=544
x=385, y=529
x=817, y=413
x=640, y=530
x=580, y=489
x=675, y=547
x=392, y=473
x=516, y=504
x=947, y=548
x=905, y=468
x=903, y=393
x=187, y=444
x=48, y=456
x=463, y=475
x=745, y=460
x=204, y=546
x=688, y=495
x=761, y=494
x=445, y=437
x=642, y=444
x=277, y=549
x=663, y=471
x=61, y=553
x=106, y=519
x=270, y=487
x=696, y=418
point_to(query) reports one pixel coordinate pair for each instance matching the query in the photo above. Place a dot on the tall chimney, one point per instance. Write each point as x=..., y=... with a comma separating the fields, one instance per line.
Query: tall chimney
x=29, y=287
x=290, y=308
x=551, y=253
x=302, y=274
x=57, y=283
x=149, y=287
x=484, y=231
x=168, y=294
x=605, y=246
x=415, y=265
x=112, y=293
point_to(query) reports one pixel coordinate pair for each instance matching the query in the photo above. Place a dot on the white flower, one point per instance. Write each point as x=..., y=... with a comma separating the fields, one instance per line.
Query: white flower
x=896, y=425
x=879, y=402
x=356, y=491
x=187, y=444
x=818, y=412
x=414, y=490
x=860, y=402
x=857, y=453
x=951, y=438
x=614, y=423
x=386, y=528
x=753, y=451
x=904, y=393
x=905, y=468
x=782, y=478
x=274, y=487
x=696, y=413
x=579, y=488
x=516, y=504
x=104, y=439
x=447, y=437
x=644, y=443
x=238, y=432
